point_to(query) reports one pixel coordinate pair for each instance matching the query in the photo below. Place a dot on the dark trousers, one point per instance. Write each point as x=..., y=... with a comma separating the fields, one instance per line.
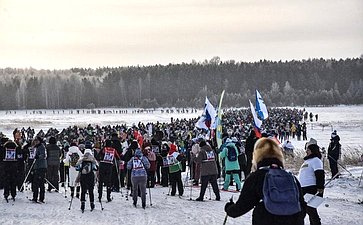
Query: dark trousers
x=38, y=184
x=122, y=178
x=9, y=182
x=150, y=179
x=87, y=185
x=212, y=179
x=165, y=176
x=175, y=179
x=53, y=177
x=115, y=179
x=105, y=176
x=333, y=166
x=312, y=212
x=20, y=176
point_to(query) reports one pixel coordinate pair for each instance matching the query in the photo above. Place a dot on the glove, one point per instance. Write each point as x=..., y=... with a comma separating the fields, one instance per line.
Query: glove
x=228, y=204
x=320, y=192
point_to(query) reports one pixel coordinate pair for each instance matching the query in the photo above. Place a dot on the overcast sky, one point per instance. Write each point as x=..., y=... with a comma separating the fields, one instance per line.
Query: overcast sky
x=91, y=33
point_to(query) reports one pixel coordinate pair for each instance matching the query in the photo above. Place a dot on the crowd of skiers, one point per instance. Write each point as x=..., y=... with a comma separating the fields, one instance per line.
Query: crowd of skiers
x=141, y=156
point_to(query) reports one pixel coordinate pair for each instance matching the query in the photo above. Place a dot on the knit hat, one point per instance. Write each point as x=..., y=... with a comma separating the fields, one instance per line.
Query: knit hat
x=88, y=151
x=311, y=142
x=138, y=152
x=173, y=148
x=88, y=145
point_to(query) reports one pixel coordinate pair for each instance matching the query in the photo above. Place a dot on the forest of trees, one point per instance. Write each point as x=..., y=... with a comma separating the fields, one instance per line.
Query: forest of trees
x=289, y=83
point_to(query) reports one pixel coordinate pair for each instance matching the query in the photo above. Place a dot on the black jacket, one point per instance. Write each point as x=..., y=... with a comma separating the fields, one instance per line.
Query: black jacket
x=251, y=198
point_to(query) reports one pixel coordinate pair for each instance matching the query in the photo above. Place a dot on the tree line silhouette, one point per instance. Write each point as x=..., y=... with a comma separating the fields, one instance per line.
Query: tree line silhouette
x=283, y=83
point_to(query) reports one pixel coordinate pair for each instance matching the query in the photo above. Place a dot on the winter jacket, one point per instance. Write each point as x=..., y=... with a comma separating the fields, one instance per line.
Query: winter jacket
x=207, y=158
x=72, y=150
x=86, y=174
x=138, y=165
x=334, y=148
x=311, y=174
x=152, y=159
x=9, y=161
x=174, y=162
x=40, y=157
x=53, y=154
x=229, y=165
x=251, y=198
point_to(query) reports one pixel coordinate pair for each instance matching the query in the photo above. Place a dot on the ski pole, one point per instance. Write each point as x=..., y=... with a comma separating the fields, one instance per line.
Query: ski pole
x=127, y=181
x=150, y=196
x=191, y=191
x=52, y=185
x=225, y=218
x=30, y=169
x=70, y=203
x=64, y=182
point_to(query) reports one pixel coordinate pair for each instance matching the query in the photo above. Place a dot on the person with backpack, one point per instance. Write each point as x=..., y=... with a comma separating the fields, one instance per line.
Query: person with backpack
x=288, y=207
x=72, y=157
x=138, y=165
x=312, y=177
x=86, y=165
x=209, y=172
x=232, y=169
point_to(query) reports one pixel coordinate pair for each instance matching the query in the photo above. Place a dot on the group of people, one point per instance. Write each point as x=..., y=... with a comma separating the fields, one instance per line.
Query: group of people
x=310, y=180
x=142, y=156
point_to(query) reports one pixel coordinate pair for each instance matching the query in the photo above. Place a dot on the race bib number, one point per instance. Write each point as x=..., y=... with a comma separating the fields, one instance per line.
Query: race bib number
x=109, y=155
x=10, y=155
x=137, y=164
x=171, y=160
x=32, y=153
x=155, y=149
x=210, y=156
x=165, y=162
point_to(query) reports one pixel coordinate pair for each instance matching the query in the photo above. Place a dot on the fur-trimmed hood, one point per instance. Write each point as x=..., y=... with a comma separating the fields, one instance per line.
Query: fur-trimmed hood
x=266, y=148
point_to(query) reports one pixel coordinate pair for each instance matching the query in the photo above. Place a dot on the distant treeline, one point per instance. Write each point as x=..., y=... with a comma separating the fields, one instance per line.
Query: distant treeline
x=290, y=83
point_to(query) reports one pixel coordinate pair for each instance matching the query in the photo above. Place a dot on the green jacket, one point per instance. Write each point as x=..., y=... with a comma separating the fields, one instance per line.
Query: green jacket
x=229, y=165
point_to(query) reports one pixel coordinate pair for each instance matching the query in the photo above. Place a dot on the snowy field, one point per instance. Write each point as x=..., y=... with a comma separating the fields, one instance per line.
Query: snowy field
x=340, y=206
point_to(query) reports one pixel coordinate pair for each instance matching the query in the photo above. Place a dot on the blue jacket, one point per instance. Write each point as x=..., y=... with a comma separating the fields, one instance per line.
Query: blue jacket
x=138, y=164
x=40, y=157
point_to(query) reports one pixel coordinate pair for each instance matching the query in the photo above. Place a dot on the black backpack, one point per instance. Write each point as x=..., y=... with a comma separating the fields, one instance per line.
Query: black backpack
x=86, y=167
x=231, y=153
x=280, y=192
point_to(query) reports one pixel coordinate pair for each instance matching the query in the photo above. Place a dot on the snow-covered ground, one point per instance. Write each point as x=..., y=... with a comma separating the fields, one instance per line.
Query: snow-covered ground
x=340, y=206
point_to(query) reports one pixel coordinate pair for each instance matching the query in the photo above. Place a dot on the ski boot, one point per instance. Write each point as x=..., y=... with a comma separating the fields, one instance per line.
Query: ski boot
x=109, y=199
x=82, y=206
x=92, y=206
